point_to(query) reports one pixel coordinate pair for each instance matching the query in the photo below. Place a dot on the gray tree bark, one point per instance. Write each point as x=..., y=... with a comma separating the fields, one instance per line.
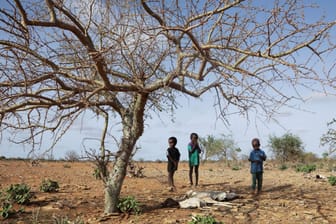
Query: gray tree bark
x=116, y=179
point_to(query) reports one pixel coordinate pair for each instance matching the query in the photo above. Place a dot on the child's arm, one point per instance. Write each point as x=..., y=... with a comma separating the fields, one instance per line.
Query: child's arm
x=252, y=160
x=191, y=148
x=196, y=147
x=171, y=158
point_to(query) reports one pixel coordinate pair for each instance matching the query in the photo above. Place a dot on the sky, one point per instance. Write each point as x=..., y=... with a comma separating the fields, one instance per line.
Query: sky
x=309, y=125
x=198, y=115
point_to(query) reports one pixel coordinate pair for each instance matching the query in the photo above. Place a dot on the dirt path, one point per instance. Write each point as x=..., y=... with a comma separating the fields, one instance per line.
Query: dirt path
x=288, y=196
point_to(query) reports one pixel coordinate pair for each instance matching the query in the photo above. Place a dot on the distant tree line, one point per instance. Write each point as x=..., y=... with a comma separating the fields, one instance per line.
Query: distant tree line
x=286, y=148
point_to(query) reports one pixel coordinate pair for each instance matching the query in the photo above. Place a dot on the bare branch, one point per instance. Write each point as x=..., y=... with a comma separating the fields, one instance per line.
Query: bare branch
x=128, y=59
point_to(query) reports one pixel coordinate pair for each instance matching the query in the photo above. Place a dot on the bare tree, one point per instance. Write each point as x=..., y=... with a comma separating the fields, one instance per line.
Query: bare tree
x=128, y=59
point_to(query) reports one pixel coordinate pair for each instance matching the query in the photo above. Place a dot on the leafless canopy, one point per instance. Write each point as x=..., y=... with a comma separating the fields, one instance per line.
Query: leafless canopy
x=59, y=58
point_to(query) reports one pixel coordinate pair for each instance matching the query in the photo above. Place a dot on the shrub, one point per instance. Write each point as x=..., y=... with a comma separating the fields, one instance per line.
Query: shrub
x=203, y=220
x=309, y=157
x=332, y=180
x=19, y=193
x=66, y=220
x=5, y=209
x=235, y=167
x=307, y=168
x=286, y=148
x=66, y=166
x=35, y=216
x=128, y=205
x=283, y=167
x=96, y=173
x=48, y=185
x=71, y=156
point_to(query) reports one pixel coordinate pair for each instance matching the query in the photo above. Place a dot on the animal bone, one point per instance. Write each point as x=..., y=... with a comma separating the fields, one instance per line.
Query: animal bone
x=192, y=203
x=200, y=199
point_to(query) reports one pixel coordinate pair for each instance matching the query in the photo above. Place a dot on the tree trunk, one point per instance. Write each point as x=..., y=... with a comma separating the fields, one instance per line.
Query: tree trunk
x=116, y=178
x=133, y=126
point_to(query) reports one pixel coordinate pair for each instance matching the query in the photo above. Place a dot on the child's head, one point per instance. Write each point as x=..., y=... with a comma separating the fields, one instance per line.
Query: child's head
x=172, y=141
x=193, y=136
x=255, y=143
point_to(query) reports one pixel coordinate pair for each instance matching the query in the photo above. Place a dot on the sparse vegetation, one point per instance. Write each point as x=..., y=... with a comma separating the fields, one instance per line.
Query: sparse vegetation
x=332, y=180
x=35, y=216
x=129, y=205
x=150, y=187
x=331, y=168
x=15, y=194
x=66, y=220
x=286, y=148
x=19, y=193
x=96, y=173
x=283, y=167
x=48, y=185
x=66, y=166
x=222, y=148
x=134, y=170
x=329, y=138
x=5, y=209
x=71, y=156
x=208, y=219
x=236, y=167
x=305, y=168
x=309, y=157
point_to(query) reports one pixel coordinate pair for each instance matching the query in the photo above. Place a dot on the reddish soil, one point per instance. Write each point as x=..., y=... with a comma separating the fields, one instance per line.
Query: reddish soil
x=287, y=197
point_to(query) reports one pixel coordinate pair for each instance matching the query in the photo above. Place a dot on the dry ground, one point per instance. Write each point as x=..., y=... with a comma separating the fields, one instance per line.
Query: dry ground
x=288, y=196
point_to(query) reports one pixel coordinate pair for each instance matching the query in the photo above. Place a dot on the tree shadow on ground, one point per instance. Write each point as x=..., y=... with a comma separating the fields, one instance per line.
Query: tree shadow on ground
x=214, y=184
x=280, y=188
x=168, y=203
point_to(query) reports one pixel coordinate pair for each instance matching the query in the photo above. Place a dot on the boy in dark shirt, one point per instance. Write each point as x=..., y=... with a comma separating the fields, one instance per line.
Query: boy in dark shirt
x=173, y=156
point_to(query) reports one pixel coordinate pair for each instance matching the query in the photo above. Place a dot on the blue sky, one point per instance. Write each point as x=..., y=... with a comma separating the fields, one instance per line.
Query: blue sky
x=198, y=115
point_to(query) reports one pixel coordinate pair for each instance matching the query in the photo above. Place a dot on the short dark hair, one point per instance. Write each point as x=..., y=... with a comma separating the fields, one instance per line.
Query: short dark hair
x=193, y=134
x=255, y=142
x=173, y=139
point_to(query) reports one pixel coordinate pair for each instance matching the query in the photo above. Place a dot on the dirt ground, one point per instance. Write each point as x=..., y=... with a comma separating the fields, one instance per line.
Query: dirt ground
x=287, y=197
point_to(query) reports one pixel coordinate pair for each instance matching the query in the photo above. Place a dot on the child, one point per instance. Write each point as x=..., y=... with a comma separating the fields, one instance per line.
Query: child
x=173, y=156
x=194, y=157
x=257, y=156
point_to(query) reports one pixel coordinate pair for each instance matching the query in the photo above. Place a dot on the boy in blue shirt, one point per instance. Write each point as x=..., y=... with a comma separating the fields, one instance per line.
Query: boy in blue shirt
x=257, y=156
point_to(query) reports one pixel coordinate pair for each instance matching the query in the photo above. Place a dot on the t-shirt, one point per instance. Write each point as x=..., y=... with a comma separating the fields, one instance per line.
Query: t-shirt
x=193, y=156
x=256, y=160
x=173, y=153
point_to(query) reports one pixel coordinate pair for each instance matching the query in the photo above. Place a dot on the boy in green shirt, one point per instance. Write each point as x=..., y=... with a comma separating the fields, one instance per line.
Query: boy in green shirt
x=194, y=157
